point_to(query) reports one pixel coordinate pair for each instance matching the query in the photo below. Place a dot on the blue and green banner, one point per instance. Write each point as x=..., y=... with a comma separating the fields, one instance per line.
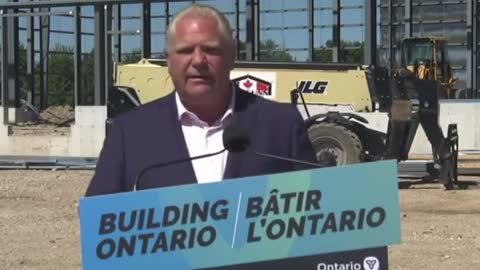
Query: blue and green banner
x=245, y=220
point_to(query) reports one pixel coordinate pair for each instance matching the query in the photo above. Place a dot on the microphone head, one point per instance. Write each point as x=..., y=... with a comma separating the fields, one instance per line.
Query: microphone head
x=235, y=139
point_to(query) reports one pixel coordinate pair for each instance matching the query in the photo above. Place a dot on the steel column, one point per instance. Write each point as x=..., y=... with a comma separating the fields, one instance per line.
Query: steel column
x=12, y=88
x=390, y=35
x=13, y=99
x=472, y=46
x=475, y=64
x=167, y=14
x=99, y=57
x=249, y=27
x=117, y=25
x=108, y=50
x=408, y=18
x=4, y=71
x=252, y=45
x=146, y=30
x=79, y=95
x=44, y=49
x=336, y=39
x=370, y=9
x=311, y=30
x=237, y=29
x=256, y=28
x=30, y=60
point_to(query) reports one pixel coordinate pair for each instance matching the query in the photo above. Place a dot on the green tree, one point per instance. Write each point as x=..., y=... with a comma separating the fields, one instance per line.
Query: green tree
x=132, y=57
x=350, y=52
x=88, y=78
x=22, y=71
x=269, y=52
x=61, y=68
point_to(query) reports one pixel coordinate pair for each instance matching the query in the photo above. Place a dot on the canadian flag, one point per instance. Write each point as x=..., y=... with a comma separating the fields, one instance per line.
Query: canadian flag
x=254, y=85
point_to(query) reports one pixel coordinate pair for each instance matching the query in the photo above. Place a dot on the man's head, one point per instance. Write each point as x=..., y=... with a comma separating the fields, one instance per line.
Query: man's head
x=200, y=55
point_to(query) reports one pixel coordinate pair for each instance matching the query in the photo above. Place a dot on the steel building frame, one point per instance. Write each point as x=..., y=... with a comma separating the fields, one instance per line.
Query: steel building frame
x=107, y=25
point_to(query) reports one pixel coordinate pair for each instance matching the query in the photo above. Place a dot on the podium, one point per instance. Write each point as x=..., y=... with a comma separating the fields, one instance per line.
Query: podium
x=329, y=218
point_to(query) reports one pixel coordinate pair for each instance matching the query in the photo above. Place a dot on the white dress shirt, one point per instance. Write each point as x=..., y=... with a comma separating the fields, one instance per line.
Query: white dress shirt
x=201, y=138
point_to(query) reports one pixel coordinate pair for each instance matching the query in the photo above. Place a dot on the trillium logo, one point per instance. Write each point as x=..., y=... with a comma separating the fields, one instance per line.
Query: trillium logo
x=371, y=263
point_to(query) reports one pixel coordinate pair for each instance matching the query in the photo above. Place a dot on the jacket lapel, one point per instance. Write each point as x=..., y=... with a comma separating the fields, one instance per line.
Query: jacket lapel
x=241, y=119
x=185, y=172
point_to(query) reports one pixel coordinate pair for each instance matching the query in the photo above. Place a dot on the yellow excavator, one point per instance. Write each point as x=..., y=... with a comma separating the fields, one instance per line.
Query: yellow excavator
x=427, y=58
x=337, y=94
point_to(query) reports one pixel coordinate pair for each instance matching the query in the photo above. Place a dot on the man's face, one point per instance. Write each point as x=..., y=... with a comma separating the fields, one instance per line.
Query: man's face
x=199, y=59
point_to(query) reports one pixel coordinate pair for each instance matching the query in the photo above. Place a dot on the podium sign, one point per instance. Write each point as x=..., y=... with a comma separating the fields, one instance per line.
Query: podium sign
x=245, y=220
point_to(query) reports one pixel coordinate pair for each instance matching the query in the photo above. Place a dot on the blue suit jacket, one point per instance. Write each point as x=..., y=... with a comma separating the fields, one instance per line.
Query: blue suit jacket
x=151, y=134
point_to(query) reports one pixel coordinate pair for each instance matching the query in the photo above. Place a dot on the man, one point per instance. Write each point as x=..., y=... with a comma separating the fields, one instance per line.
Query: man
x=190, y=121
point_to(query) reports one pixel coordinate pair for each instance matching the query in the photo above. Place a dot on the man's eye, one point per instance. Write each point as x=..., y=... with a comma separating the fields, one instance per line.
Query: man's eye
x=212, y=50
x=185, y=50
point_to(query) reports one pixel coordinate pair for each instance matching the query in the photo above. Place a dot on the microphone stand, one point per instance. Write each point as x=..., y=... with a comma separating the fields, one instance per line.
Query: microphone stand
x=290, y=160
x=142, y=172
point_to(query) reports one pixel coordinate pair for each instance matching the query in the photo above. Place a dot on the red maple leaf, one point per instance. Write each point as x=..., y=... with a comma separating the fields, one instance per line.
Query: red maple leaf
x=247, y=83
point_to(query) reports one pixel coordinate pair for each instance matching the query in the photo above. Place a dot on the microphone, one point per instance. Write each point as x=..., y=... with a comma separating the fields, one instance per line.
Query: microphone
x=237, y=139
x=234, y=140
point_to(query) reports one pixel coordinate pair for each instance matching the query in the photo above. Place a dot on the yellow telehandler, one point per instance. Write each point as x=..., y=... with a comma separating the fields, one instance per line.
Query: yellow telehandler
x=337, y=93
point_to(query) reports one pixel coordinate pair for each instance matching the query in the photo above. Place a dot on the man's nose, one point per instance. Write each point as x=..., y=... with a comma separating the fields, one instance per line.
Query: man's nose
x=199, y=56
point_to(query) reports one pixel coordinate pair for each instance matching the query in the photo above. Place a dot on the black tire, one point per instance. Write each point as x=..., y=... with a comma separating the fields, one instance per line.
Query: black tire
x=335, y=145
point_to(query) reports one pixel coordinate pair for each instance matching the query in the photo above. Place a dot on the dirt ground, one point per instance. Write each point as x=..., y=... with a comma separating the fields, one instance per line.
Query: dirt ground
x=39, y=224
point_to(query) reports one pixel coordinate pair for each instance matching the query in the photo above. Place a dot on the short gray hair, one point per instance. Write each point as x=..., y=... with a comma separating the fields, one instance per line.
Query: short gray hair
x=202, y=11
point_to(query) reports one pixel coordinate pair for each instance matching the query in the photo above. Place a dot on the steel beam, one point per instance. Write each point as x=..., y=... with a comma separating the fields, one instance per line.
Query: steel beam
x=370, y=9
x=99, y=57
x=311, y=30
x=42, y=13
x=146, y=30
x=79, y=94
x=336, y=39
x=63, y=3
x=30, y=61
x=44, y=49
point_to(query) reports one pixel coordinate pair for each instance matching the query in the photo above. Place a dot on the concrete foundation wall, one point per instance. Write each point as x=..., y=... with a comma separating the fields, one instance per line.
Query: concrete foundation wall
x=85, y=139
x=5, y=130
x=88, y=133
x=16, y=115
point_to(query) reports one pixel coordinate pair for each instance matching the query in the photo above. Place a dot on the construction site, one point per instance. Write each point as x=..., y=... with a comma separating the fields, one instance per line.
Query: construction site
x=373, y=80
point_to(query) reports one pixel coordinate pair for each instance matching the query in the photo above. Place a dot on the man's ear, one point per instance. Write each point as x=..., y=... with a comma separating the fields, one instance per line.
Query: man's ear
x=165, y=52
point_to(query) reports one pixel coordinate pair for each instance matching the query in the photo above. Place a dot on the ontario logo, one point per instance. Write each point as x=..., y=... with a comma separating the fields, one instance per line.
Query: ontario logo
x=260, y=83
x=369, y=263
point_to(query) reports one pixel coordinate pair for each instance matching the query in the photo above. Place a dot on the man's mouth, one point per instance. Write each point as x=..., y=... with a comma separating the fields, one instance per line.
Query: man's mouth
x=199, y=77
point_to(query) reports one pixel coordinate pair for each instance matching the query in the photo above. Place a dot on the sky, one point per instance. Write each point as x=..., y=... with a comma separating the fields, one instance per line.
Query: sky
x=295, y=39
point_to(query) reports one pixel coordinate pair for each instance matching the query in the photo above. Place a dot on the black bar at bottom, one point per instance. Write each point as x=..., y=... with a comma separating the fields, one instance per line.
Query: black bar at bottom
x=368, y=259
